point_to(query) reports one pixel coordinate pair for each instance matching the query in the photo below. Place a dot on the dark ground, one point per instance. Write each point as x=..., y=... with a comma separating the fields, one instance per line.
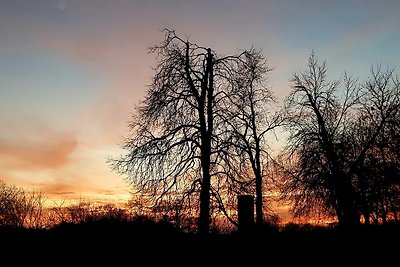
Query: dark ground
x=111, y=243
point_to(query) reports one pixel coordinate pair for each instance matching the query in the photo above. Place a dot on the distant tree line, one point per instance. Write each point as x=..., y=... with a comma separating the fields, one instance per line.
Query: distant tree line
x=26, y=208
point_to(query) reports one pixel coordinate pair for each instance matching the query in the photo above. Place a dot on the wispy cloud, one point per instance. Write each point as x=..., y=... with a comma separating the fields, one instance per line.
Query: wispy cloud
x=47, y=151
x=67, y=191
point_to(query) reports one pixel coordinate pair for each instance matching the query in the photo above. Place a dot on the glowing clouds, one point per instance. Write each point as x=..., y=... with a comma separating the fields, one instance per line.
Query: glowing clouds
x=44, y=152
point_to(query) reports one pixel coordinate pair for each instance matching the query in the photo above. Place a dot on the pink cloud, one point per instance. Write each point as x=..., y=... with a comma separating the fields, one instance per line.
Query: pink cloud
x=47, y=152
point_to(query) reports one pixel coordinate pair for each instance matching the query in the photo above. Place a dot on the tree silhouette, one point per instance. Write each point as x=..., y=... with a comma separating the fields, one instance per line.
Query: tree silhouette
x=20, y=207
x=334, y=136
x=318, y=122
x=179, y=132
x=375, y=141
x=252, y=117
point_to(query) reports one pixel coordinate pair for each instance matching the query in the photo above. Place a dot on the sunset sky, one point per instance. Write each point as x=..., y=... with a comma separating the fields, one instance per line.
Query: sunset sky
x=71, y=71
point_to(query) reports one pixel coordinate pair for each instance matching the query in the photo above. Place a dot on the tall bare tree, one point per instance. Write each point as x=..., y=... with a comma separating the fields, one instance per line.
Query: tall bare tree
x=375, y=141
x=334, y=138
x=175, y=148
x=253, y=115
x=318, y=116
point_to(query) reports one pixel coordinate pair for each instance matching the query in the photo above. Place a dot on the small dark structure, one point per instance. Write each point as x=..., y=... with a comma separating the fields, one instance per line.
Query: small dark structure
x=245, y=212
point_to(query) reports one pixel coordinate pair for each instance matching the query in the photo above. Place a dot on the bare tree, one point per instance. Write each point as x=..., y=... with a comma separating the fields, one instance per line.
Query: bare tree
x=176, y=144
x=335, y=150
x=253, y=115
x=20, y=207
x=375, y=142
x=318, y=117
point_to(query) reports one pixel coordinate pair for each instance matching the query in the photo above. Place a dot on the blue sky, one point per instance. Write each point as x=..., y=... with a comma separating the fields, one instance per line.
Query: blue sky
x=71, y=71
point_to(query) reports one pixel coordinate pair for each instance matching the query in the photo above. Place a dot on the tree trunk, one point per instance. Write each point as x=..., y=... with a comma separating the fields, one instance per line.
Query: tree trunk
x=204, y=219
x=345, y=200
x=259, y=200
x=366, y=218
x=257, y=165
x=206, y=121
